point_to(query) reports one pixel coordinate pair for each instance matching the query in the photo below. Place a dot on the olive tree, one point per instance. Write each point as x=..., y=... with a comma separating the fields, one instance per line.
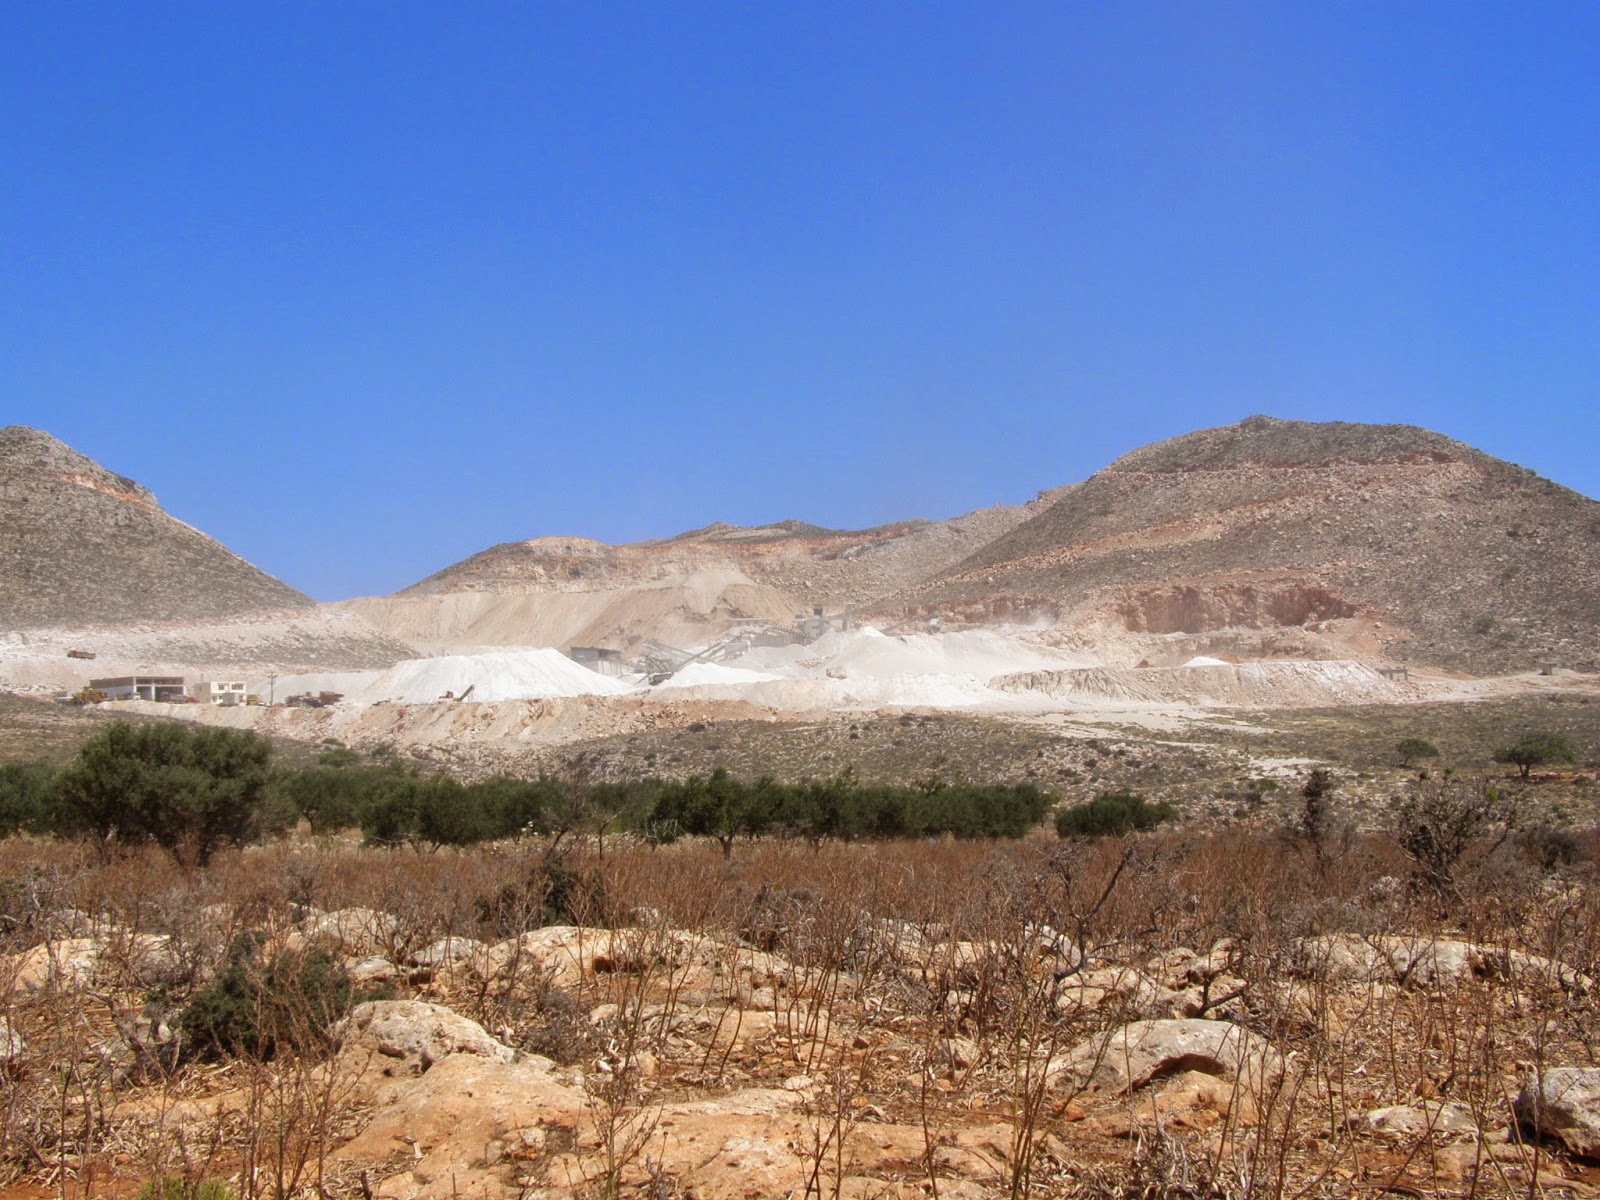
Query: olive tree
x=1536, y=749
x=189, y=790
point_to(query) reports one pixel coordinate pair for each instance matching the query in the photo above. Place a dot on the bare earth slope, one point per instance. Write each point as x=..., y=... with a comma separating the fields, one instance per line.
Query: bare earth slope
x=80, y=545
x=831, y=567
x=680, y=609
x=560, y=591
x=1470, y=562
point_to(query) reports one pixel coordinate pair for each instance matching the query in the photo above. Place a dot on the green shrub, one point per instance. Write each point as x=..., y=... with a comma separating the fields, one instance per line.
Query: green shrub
x=24, y=797
x=170, y=1187
x=1536, y=749
x=189, y=790
x=259, y=1004
x=1410, y=750
x=1112, y=814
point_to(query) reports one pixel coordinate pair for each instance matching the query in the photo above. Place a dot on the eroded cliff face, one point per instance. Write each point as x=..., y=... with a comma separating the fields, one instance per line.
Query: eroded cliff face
x=1191, y=609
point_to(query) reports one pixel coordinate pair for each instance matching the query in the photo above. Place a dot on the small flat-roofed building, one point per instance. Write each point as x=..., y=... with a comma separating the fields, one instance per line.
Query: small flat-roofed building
x=168, y=689
x=598, y=659
x=226, y=692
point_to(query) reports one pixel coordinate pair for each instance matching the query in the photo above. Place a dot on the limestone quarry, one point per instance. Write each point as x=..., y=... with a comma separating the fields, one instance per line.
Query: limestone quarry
x=1262, y=566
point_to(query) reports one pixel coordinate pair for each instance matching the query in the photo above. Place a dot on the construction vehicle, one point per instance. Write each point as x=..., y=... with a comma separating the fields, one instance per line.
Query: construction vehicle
x=320, y=700
x=80, y=653
x=89, y=695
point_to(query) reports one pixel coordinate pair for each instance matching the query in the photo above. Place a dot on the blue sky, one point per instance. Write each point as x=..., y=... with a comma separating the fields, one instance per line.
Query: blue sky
x=362, y=288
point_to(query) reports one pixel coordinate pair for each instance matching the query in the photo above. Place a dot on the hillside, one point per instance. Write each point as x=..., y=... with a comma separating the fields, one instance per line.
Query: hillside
x=559, y=591
x=1456, y=558
x=814, y=565
x=81, y=545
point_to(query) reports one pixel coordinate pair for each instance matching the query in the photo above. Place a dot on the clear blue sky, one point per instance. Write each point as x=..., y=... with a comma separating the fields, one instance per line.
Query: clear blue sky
x=362, y=288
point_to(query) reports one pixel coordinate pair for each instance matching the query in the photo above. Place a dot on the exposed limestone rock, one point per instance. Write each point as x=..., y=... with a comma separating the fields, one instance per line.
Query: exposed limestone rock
x=1564, y=1103
x=68, y=964
x=79, y=962
x=1122, y=989
x=568, y=954
x=418, y=1032
x=463, y=1122
x=1427, y=962
x=446, y=951
x=1134, y=1055
x=370, y=968
x=1405, y=1121
x=355, y=931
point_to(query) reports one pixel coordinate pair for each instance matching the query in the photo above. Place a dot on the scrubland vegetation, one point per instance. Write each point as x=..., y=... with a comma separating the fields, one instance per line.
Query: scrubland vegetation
x=665, y=970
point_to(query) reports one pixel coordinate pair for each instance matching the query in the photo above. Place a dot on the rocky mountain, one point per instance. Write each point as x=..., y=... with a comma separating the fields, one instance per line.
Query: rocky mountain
x=1453, y=557
x=81, y=545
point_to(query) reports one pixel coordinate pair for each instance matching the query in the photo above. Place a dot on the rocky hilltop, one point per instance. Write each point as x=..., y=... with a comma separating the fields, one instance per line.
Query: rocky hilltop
x=831, y=567
x=560, y=591
x=80, y=545
x=1456, y=558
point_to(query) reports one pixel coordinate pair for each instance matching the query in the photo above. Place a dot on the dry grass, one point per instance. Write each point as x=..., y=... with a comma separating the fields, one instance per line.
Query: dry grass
x=917, y=986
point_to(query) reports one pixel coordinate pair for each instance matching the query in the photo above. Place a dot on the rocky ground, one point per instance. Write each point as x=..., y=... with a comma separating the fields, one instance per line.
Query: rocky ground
x=1156, y=1018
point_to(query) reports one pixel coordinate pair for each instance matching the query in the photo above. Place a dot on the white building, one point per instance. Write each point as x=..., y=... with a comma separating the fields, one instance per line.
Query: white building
x=226, y=692
x=166, y=688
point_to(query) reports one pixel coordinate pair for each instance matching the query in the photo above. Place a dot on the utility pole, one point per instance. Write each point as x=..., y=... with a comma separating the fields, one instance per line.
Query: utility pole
x=272, y=691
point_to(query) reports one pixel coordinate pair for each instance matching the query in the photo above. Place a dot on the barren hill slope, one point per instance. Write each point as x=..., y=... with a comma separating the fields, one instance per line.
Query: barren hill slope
x=81, y=545
x=571, y=590
x=1469, y=561
x=815, y=565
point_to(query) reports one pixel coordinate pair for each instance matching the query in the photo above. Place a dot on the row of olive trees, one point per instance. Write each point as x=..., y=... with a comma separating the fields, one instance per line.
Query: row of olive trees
x=723, y=807
x=193, y=790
